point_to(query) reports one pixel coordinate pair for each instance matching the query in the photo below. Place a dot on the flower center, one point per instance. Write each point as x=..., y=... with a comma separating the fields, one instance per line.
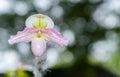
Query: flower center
x=40, y=22
x=38, y=35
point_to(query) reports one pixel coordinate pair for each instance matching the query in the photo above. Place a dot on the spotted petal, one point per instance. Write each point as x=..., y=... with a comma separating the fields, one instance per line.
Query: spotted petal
x=55, y=37
x=23, y=36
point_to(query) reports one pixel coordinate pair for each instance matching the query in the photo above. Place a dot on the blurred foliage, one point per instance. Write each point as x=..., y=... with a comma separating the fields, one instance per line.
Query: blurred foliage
x=18, y=73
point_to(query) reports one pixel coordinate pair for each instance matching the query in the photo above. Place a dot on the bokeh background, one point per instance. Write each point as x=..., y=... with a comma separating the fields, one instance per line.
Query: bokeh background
x=91, y=26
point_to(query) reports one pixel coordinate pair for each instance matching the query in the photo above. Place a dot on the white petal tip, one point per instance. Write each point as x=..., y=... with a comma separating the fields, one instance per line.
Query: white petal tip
x=66, y=43
x=9, y=41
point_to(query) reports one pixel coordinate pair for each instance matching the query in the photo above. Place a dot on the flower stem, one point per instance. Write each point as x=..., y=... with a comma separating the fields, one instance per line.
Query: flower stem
x=39, y=66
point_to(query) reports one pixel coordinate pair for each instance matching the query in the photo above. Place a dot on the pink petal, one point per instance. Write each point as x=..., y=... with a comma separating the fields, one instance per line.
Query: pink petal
x=38, y=46
x=22, y=36
x=55, y=37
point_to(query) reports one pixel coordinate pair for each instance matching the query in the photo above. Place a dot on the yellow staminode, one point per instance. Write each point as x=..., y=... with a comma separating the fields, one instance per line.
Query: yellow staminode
x=38, y=35
x=40, y=22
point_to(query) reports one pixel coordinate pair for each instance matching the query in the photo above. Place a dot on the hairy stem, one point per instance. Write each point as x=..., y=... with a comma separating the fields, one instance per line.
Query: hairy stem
x=39, y=66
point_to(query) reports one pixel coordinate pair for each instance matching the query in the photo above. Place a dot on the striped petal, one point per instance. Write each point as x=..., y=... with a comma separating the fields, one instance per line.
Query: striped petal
x=39, y=21
x=23, y=36
x=38, y=46
x=55, y=37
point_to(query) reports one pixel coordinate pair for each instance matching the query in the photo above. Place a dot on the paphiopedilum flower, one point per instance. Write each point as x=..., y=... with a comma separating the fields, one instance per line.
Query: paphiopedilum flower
x=39, y=30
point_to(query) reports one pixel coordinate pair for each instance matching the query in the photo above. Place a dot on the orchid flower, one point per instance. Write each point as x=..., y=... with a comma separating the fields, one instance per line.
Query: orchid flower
x=39, y=30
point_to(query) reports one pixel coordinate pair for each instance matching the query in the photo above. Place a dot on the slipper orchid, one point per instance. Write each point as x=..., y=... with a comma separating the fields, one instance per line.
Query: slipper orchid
x=39, y=30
